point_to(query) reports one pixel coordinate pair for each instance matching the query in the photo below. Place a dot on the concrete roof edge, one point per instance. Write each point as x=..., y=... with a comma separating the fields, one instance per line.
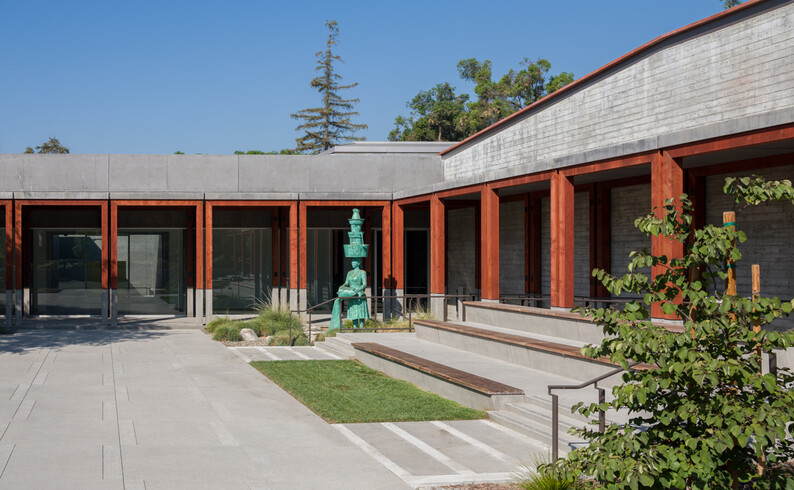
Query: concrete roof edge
x=579, y=83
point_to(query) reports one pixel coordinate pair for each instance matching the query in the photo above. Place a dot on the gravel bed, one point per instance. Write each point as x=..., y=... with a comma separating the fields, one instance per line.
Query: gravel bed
x=245, y=343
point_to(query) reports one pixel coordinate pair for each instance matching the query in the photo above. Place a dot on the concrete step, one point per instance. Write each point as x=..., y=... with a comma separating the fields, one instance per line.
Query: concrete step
x=530, y=320
x=555, y=356
x=536, y=431
x=339, y=347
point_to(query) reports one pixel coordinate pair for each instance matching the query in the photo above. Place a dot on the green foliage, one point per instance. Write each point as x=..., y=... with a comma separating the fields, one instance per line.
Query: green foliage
x=51, y=146
x=330, y=124
x=531, y=478
x=703, y=416
x=435, y=116
x=249, y=152
x=179, y=152
x=441, y=115
x=726, y=4
x=349, y=392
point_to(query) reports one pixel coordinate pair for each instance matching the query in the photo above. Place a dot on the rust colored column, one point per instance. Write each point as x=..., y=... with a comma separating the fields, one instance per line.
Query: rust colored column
x=438, y=247
x=386, y=226
x=489, y=239
x=562, y=241
x=398, y=256
x=274, y=254
x=438, y=259
x=9, y=279
x=667, y=182
x=113, y=259
x=202, y=258
x=297, y=255
x=104, y=267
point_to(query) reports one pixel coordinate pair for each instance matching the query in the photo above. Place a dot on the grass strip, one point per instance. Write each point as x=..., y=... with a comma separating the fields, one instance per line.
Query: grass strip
x=348, y=392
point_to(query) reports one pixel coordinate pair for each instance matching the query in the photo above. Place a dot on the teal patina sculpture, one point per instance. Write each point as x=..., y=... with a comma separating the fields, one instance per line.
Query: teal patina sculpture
x=356, y=280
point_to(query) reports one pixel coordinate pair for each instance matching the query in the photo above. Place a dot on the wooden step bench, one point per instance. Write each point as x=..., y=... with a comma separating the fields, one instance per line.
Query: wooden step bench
x=520, y=340
x=465, y=388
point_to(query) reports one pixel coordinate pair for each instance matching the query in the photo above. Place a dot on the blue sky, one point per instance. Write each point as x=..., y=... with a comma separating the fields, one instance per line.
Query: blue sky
x=218, y=76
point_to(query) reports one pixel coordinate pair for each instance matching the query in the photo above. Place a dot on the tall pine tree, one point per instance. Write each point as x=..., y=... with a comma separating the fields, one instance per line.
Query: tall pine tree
x=330, y=124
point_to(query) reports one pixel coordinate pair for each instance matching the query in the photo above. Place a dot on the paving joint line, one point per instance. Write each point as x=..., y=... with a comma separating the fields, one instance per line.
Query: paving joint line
x=429, y=450
x=118, y=425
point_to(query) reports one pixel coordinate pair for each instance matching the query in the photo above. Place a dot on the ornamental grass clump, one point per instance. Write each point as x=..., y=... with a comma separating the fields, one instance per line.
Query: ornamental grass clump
x=707, y=415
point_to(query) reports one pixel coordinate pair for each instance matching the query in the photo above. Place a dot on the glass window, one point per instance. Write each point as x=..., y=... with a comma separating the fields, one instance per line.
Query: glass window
x=152, y=271
x=242, y=269
x=66, y=272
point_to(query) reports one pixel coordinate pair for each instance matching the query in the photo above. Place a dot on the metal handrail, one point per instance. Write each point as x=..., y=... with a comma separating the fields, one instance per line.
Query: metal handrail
x=555, y=405
x=404, y=297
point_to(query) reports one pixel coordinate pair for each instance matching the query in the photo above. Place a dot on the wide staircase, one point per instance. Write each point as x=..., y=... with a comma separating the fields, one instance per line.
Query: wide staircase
x=502, y=359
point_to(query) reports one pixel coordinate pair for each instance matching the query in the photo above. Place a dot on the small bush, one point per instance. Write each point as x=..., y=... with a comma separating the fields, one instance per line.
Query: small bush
x=214, y=324
x=281, y=338
x=536, y=475
x=274, y=319
x=228, y=331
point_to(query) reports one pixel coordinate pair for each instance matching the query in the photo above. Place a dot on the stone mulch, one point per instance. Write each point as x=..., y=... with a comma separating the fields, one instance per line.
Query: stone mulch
x=477, y=486
x=245, y=343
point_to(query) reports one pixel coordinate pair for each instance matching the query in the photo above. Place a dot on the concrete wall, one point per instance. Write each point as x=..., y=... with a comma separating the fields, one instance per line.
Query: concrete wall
x=511, y=247
x=214, y=176
x=770, y=238
x=628, y=204
x=460, y=250
x=715, y=80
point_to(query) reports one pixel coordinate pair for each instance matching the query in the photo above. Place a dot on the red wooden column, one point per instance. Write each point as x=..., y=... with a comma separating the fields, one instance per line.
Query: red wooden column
x=667, y=181
x=386, y=227
x=113, y=259
x=105, y=263
x=398, y=254
x=438, y=246
x=297, y=256
x=562, y=244
x=18, y=286
x=489, y=239
x=202, y=259
x=9, y=279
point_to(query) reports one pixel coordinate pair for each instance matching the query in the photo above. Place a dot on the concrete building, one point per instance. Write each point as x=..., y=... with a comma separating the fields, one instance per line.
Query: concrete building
x=526, y=207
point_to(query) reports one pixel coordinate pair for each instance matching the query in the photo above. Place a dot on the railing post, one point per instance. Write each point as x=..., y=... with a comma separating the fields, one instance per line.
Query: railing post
x=444, y=306
x=602, y=415
x=773, y=363
x=555, y=429
x=463, y=312
x=310, y=326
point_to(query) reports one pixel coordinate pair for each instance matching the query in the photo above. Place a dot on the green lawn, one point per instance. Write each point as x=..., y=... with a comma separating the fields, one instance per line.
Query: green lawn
x=347, y=391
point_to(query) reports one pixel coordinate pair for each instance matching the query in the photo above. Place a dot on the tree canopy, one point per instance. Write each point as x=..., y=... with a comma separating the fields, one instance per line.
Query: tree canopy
x=331, y=123
x=52, y=146
x=439, y=114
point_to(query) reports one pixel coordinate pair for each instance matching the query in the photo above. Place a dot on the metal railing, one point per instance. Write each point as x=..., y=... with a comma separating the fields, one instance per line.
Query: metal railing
x=539, y=300
x=404, y=311
x=555, y=406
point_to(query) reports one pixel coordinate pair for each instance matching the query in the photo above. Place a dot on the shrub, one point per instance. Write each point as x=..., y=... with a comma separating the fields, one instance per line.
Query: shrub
x=704, y=416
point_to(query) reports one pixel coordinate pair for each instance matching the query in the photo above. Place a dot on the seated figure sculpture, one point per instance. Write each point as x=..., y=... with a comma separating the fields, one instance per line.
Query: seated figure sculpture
x=353, y=288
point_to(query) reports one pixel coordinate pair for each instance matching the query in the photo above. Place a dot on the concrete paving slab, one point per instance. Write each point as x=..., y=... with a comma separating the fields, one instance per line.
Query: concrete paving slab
x=158, y=408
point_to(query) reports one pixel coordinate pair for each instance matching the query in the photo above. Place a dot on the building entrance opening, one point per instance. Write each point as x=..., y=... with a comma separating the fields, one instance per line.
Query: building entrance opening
x=152, y=257
x=242, y=260
x=66, y=262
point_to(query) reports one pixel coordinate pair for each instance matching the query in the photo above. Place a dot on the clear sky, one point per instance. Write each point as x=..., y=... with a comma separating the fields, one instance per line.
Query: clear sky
x=156, y=76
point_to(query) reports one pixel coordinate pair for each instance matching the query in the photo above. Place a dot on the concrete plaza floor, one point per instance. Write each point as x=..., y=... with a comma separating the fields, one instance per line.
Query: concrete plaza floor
x=159, y=409
x=165, y=408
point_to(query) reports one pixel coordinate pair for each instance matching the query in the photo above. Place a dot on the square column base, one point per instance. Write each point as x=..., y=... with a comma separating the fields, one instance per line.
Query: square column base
x=105, y=307
x=199, y=309
x=207, y=301
x=9, y=321
x=190, y=308
x=438, y=306
x=114, y=308
x=18, y=308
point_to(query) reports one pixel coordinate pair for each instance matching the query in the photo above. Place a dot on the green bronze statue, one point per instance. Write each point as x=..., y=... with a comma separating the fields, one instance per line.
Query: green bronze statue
x=356, y=280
